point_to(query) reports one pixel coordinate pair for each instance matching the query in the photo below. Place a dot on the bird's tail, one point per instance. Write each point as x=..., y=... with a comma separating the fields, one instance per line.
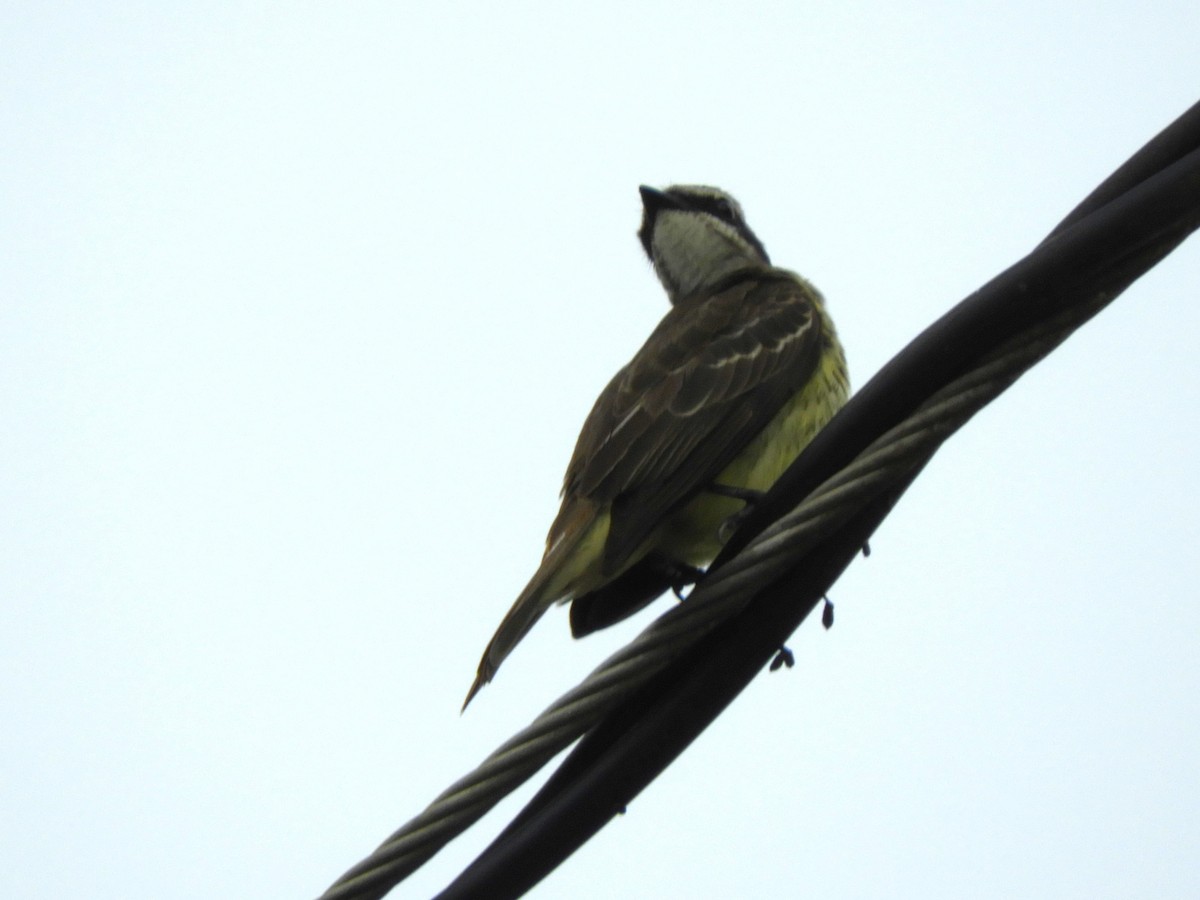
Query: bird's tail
x=551, y=583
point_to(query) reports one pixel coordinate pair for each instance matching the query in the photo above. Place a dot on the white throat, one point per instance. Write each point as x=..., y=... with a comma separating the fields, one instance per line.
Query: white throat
x=693, y=251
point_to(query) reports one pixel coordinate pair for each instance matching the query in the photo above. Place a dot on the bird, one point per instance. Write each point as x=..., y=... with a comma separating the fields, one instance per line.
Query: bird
x=735, y=380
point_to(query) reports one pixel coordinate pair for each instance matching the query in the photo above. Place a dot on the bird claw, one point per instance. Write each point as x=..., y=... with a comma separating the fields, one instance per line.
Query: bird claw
x=731, y=524
x=684, y=576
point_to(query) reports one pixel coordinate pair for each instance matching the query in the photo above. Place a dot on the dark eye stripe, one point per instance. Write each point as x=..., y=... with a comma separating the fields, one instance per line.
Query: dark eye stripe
x=713, y=205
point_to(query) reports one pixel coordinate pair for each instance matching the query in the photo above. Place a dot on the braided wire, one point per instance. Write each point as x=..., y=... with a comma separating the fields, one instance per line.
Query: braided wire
x=721, y=594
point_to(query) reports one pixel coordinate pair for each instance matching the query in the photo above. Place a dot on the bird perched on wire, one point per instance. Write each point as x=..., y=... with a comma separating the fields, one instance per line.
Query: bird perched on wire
x=737, y=378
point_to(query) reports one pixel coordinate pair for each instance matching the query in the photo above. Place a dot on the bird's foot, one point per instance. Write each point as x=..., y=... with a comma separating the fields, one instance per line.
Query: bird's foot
x=747, y=495
x=683, y=576
x=784, y=657
x=731, y=524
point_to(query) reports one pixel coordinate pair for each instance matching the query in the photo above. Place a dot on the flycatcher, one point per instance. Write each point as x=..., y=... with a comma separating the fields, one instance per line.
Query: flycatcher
x=740, y=374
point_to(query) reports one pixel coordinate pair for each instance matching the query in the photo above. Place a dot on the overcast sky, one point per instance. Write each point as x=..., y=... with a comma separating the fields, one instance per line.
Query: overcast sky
x=301, y=309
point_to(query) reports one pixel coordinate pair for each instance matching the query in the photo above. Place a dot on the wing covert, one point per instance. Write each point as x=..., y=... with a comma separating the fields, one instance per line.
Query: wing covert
x=709, y=378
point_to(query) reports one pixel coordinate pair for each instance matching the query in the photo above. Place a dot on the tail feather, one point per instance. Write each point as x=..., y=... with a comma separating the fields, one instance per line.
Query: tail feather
x=551, y=583
x=524, y=613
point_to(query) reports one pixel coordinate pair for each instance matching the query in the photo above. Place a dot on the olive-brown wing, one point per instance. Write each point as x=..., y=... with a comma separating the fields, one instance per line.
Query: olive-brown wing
x=710, y=377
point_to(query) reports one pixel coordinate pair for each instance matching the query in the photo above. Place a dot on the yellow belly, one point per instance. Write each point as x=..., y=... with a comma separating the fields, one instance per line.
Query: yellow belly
x=690, y=535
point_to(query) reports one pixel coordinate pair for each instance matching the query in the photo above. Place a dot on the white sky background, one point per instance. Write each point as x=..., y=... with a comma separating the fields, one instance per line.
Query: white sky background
x=301, y=308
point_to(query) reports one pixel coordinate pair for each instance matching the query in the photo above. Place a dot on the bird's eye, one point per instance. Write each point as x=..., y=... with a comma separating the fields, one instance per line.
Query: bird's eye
x=723, y=209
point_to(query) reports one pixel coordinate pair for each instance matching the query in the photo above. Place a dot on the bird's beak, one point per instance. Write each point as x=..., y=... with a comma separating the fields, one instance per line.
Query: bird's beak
x=654, y=200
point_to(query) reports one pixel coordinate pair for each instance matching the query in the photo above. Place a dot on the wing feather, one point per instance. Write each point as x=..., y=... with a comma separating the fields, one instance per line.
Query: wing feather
x=710, y=377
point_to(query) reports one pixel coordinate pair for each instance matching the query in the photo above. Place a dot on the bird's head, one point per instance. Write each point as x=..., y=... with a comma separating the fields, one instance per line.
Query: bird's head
x=695, y=236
